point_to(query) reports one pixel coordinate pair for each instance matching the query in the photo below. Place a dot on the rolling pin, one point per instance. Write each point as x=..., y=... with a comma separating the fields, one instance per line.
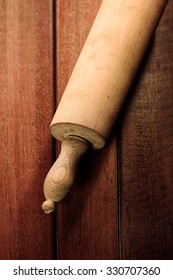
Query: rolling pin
x=98, y=86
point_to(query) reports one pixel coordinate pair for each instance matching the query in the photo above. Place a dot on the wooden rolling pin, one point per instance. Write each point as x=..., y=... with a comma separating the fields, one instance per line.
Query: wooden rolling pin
x=98, y=86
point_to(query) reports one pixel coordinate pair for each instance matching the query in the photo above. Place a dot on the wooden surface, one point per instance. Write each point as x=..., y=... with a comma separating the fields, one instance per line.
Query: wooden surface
x=26, y=147
x=87, y=218
x=146, y=154
x=98, y=220
x=93, y=223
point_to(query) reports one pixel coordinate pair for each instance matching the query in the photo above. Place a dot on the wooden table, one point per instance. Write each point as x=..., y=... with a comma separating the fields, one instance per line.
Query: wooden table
x=121, y=207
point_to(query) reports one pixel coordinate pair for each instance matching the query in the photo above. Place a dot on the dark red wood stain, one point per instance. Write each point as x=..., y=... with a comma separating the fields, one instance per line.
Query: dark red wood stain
x=87, y=218
x=26, y=149
x=146, y=154
x=108, y=215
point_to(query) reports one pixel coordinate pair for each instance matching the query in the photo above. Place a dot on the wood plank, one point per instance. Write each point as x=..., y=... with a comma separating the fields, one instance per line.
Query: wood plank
x=26, y=148
x=87, y=218
x=146, y=154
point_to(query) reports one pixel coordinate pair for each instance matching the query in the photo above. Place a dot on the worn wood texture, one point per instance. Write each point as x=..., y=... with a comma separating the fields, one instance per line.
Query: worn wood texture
x=146, y=154
x=87, y=218
x=26, y=147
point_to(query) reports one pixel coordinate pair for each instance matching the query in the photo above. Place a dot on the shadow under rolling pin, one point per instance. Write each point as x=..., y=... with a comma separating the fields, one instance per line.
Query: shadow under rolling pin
x=98, y=86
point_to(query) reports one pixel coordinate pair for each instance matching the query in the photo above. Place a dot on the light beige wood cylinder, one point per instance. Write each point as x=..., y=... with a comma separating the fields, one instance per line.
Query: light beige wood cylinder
x=98, y=86
x=105, y=69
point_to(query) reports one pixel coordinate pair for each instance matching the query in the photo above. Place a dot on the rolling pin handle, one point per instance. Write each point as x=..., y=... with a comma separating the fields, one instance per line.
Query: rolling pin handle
x=61, y=176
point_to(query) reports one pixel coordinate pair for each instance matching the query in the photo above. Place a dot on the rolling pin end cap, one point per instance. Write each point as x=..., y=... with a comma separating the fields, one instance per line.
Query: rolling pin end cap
x=48, y=206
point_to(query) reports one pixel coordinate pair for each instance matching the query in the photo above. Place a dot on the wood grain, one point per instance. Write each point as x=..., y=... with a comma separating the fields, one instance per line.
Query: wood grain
x=26, y=147
x=146, y=154
x=105, y=69
x=87, y=218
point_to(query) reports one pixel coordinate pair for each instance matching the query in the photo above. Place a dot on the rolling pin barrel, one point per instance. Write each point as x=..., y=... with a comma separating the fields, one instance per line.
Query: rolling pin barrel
x=101, y=79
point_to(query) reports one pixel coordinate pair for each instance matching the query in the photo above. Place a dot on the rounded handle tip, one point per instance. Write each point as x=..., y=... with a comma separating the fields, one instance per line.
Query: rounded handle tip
x=48, y=206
